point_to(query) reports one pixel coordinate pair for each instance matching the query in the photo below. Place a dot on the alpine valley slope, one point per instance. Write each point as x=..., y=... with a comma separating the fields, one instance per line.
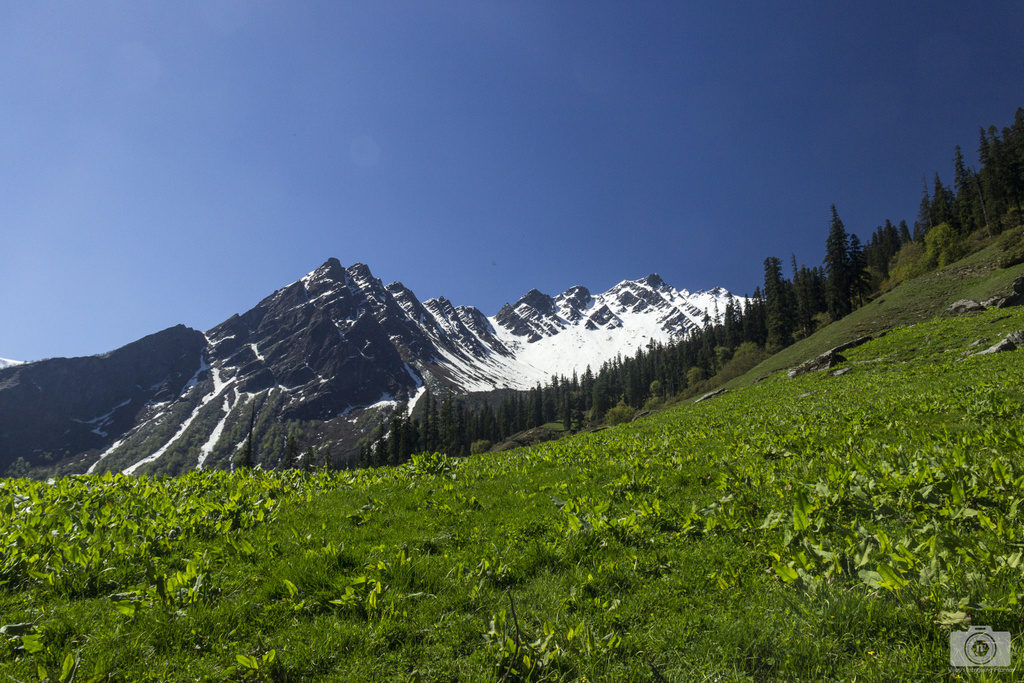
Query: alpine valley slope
x=332, y=351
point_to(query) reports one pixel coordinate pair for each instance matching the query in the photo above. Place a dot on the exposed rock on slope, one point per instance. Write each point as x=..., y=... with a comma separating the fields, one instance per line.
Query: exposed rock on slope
x=1011, y=342
x=327, y=350
x=62, y=407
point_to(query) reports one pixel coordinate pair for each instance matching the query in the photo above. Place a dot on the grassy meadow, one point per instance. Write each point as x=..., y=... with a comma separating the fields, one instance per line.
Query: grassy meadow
x=823, y=527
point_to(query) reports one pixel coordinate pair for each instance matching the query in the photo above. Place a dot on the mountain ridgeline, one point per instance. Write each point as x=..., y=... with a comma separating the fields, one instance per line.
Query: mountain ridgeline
x=322, y=361
x=982, y=207
x=349, y=371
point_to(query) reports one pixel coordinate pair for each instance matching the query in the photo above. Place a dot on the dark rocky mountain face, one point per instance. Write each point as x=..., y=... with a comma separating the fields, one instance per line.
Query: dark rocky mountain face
x=327, y=355
x=573, y=302
x=58, y=409
x=324, y=340
x=534, y=316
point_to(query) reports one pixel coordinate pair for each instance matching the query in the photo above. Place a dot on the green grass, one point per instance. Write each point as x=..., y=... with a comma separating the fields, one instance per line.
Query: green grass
x=977, y=276
x=822, y=528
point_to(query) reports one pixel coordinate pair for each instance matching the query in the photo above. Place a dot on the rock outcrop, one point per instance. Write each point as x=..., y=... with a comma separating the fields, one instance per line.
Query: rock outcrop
x=1015, y=297
x=825, y=361
x=1011, y=342
x=965, y=306
x=829, y=359
x=711, y=394
x=56, y=409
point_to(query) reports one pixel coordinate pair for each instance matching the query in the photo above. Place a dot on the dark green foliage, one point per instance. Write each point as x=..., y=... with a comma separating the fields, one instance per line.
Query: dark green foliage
x=480, y=446
x=247, y=455
x=291, y=450
x=1001, y=178
x=860, y=278
x=904, y=233
x=838, y=268
x=884, y=244
x=779, y=308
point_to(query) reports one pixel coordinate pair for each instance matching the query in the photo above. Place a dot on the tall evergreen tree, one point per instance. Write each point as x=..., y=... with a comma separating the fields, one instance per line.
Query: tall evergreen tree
x=837, y=268
x=778, y=314
x=248, y=454
x=859, y=279
x=966, y=204
x=754, y=327
x=942, y=206
x=905, y=236
x=291, y=450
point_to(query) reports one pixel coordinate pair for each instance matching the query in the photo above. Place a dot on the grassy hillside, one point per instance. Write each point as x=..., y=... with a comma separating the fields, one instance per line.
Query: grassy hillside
x=977, y=276
x=817, y=528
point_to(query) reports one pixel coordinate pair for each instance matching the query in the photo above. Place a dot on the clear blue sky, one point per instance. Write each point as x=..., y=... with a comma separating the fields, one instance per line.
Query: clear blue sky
x=175, y=162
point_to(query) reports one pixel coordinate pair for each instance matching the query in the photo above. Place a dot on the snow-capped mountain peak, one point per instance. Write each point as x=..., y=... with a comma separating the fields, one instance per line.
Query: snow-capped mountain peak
x=576, y=329
x=8, y=363
x=319, y=351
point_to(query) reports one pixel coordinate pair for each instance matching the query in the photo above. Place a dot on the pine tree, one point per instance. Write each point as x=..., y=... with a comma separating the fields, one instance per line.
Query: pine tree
x=565, y=411
x=536, y=407
x=806, y=289
x=942, y=206
x=905, y=236
x=248, y=454
x=754, y=327
x=859, y=279
x=965, y=197
x=779, y=320
x=732, y=324
x=601, y=401
x=291, y=451
x=924, y=221
x=838, y=268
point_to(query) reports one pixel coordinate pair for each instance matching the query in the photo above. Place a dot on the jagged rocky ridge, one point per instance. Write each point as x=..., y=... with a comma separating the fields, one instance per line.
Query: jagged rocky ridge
x=330, y=350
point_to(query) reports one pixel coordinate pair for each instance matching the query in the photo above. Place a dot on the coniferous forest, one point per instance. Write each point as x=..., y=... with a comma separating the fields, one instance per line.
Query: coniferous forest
x=952, y=221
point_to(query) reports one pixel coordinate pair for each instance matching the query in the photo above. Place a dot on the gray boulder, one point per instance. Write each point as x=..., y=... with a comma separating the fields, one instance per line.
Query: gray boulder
x=828, y=359
x=711, y=394
x=825, y=361
x=965, y=306
x=1011, y=342
x=1014, y=298
x=851, y=344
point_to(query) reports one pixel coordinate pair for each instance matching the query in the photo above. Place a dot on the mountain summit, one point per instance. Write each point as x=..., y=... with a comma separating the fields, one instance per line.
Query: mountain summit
x=324, y=350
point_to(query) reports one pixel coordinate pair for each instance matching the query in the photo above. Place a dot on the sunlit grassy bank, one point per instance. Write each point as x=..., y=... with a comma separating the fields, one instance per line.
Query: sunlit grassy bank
x=825, y=527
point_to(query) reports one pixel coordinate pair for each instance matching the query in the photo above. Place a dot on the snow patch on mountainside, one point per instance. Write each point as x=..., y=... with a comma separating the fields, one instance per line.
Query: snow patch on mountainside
x=338, y=339
x=99, y=422
x=575, y=349
x=218, y=387
x=573, y=331
x=8, y=363
x=113, y=447
x=207, y=448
